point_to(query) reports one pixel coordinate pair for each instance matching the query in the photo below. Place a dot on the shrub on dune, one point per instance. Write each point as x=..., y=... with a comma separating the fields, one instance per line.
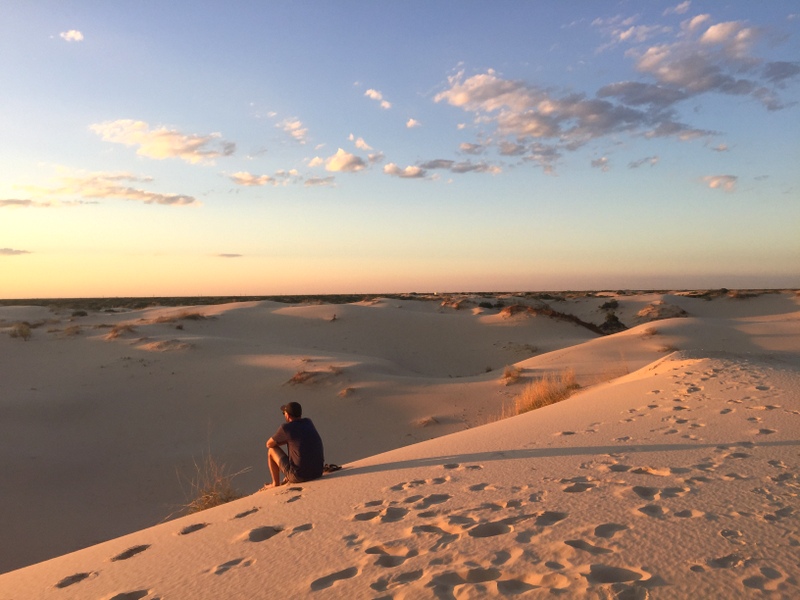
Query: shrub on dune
x=552, y=388
x=212, y=485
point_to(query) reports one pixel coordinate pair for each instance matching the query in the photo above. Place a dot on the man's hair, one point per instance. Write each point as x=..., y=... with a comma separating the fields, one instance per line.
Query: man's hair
x=293, y=409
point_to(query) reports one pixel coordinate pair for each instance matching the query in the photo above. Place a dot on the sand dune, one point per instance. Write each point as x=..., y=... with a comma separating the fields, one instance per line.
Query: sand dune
x=677, y=477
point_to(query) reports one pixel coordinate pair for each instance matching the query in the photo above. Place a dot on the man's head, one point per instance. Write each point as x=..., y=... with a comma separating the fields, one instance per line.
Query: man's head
x=292, y=410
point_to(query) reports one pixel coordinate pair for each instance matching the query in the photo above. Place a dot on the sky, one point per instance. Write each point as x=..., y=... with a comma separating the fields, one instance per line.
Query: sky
x=258, y=148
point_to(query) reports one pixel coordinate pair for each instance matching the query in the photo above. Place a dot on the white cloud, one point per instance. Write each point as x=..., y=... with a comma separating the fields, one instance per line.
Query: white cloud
x=377, y=96
x=601, y=163
x=73, y=35
x=411, y=123
x=679, y=9
x=294, y=127
x=721, y=148
x=248, y=179
x=164, y=143
x=345, y=162
x=723, y=182
x=360, y=143
x=12, y=252
x=105, y=185
x=410, y=172
x=317, y=161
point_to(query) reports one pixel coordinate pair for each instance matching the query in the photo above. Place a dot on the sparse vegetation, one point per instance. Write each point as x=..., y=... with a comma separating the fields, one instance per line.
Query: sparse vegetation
x=668, y=348
x=344, y=393
x=119, y=330
x=181, y=316
x=552, y=388
x=21, y=330
x=302, y=376
x=211, y=485
x=511, y=374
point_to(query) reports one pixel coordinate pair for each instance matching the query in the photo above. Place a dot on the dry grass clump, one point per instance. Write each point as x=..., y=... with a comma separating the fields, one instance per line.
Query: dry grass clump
x=345, y=392
x=552, y=388
x=212, y=485
x=21, y=330
x=650, y=332
x=119, y=330
x=184, y=315
x=302, y=376
x=511, y=374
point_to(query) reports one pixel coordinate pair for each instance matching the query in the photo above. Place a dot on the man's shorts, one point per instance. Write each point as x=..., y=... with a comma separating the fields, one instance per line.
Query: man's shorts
x=287, y=469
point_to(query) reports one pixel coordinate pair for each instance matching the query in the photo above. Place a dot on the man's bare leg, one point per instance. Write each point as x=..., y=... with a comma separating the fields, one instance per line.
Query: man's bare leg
x=273, y=460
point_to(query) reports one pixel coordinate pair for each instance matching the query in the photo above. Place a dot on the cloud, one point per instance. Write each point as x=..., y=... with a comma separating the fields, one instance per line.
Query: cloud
x=777, y=72
x=601, y=163
x=525, y=112
x=721, y=148
x=225, y=255
x=14, y=202
x=164, y=143
x=317, y=161
x=360, y=143
x=679, y=9
x=12, y=252
x=108, y=186
x=647, y=160
x=248, y=179
x=469, y=148
x=281, y=177
x=319, y=181
x=460, y=167
x=377, y=96
x=723, y=182
x=411, y=123
x=410, y=172
x=344, y=161
x=294, y=127
x=73, y=35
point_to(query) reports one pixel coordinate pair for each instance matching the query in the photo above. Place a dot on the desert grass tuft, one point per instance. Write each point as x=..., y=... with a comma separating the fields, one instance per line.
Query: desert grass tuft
x=21, y=330
x=118, y=330
x=211, y=485
x=511, y=374
x=302, y=376
x=552, y=388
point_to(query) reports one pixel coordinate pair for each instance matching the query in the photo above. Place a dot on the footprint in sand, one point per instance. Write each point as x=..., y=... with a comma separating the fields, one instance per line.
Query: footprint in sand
x=137, y=595
x=73, y=579
x=327, y=581
x=734, y=536
x=385, y=583
x=227, y=566
x=301, y=529
x=429, y=501
x=767, y=581
x=587, y=547
x=391, y=556
x=130, y=552
x=579, y=484
x=260, y=534
x=192, y=528
x=654, y=510
x=607, y=574
x=608, y=530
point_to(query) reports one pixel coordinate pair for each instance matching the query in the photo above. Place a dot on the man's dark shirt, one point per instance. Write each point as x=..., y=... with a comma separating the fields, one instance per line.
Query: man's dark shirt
x=305, y=448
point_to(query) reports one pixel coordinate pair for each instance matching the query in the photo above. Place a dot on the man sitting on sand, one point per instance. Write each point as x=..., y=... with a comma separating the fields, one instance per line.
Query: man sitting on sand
x=306, y=456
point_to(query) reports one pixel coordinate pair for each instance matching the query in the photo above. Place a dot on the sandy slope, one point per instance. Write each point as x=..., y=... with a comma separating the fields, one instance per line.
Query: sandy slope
x=678, y=479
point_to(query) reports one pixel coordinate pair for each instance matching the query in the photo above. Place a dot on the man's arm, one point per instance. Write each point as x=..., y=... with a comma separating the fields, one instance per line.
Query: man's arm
x=271, y=443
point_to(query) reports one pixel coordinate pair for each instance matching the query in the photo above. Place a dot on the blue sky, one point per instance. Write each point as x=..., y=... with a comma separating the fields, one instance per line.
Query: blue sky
x=156, y=148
